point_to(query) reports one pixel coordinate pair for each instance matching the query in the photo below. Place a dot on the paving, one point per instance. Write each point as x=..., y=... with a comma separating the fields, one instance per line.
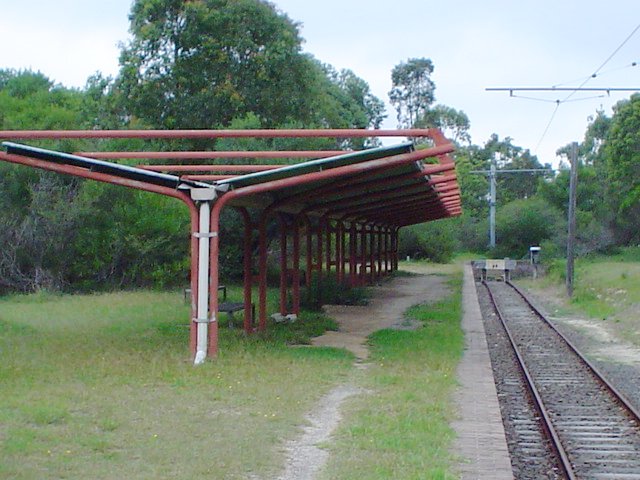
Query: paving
x=480, y=439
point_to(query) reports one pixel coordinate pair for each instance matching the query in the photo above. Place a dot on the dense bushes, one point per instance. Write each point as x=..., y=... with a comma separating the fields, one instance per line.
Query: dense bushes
x=435, y=241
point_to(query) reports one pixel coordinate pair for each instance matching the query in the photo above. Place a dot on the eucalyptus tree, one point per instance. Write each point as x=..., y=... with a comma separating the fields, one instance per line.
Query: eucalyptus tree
x=413, y=90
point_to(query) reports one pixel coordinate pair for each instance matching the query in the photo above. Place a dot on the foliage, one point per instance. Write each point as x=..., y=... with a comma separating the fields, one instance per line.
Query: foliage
x=328, y=291
x=35, y=240
x=622, y=153
x=200, y=64
x=435, y=241
x=120, y=247
x=453, y=123
x=412, y=91
x=523, y=223
x=473, y=186
x=513, y=186
x=29, y=100
x=472, y=232
x=203, y=64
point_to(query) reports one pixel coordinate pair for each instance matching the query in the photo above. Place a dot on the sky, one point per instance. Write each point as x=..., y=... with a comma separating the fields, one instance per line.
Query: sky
x=473, y=45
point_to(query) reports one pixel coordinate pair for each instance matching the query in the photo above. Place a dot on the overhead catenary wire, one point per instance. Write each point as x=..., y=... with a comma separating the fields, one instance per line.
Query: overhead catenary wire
x=574, y=90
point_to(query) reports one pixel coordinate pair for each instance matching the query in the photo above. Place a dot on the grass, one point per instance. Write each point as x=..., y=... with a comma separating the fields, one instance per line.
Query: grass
x=101, y=387
x=605, y=288
x=401, y=429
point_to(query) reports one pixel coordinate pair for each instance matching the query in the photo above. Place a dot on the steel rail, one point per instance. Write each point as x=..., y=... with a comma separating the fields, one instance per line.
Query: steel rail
x=617, y=395
x=546, y=424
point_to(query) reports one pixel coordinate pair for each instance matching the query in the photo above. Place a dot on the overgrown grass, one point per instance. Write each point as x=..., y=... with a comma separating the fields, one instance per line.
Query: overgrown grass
x=606, y=288
x=102, y=387
x=401, y=429
x=604, y=285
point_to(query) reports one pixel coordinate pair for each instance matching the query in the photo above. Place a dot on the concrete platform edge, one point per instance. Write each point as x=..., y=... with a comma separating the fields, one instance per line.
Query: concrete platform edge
x=480, y=433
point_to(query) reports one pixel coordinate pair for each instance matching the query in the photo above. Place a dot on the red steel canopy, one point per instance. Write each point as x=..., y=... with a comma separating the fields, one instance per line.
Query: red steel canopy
x=361, y=198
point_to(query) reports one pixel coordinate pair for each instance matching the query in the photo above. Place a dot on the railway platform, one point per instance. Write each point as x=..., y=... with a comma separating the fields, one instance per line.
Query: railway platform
x=481, y=441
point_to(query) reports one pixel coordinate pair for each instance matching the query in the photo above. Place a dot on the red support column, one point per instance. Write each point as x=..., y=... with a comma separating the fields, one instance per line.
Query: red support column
x=283, y=264
x=372, y=255
x=309, y=253
x=379, y=271
x=296, y=266
x=195, y=255
x=319, y=250
x=248, y=274
x=319, y=260
x=362, y=257
x=353, y=237
x=262, y=273
x=394, y=251
x=387, y=246
x=328, y=230
x=340, y=252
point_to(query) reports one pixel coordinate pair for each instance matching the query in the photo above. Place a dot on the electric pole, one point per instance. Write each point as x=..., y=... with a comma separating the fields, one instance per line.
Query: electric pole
x=492, y=203
x=571, y=233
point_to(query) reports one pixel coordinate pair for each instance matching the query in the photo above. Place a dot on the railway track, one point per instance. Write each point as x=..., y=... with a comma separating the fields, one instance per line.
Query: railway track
x=593, y=431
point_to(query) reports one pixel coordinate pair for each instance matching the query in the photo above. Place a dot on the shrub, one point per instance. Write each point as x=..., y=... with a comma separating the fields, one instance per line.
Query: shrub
x=527, y=222
x=435, y=241
x=331, y=292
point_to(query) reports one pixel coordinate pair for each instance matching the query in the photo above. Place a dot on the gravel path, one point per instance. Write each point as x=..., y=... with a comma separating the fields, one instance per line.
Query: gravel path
x=305, y=455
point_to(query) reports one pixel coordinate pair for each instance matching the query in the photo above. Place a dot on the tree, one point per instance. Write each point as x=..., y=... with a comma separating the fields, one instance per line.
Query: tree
x=358, y=93
x=412, y=92
x=29, y=100
x=513, y=186
x=453, y=123
x=622, y=154
x=200, y=64
x=527, y=222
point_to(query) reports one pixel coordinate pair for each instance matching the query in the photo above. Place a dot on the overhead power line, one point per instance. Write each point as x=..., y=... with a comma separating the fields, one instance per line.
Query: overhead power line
x=574, y=90
x=563, y=89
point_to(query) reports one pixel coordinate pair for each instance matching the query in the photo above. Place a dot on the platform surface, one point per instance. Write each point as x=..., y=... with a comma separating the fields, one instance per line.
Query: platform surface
x=480, y=433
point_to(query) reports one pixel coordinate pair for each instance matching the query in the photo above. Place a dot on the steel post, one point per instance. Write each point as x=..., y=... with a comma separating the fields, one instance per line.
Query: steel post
x=247, y=271
x=353, y=237
x=296, y=266
x=283, y=264
x=262, y=273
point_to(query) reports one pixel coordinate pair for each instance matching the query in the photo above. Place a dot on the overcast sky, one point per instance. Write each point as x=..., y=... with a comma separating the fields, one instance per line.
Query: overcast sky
x=473, y=44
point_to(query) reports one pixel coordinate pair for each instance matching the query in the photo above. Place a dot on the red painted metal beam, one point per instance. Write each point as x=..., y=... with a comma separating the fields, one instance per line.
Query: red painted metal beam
x=432, y=133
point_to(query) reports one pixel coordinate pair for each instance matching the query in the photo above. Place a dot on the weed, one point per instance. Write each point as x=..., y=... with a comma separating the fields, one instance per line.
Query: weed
x=402, y=430
x=101, y=386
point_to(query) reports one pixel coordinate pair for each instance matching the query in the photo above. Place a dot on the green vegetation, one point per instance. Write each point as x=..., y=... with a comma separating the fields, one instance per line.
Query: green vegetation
x=331, y=292
x=101, y=387
x=240, y=65
x=401, y=429
x=606, y=288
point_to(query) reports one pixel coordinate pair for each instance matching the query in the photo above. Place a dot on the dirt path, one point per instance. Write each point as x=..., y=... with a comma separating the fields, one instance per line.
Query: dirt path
x=305, y=456
x=386, y=309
